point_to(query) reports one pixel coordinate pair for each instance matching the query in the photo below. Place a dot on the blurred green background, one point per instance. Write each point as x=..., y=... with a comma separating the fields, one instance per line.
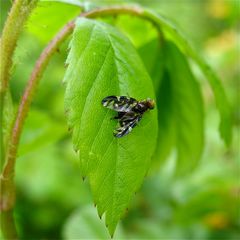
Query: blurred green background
x=52, y=200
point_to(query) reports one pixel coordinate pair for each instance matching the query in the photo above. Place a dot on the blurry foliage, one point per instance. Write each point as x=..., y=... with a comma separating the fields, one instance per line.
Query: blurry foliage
x=203, y=205
x=39, y=132
x=83, y=222
x=48, y=181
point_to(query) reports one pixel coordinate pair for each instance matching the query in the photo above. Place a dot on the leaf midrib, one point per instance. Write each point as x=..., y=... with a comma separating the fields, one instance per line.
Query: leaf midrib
x=117, y=150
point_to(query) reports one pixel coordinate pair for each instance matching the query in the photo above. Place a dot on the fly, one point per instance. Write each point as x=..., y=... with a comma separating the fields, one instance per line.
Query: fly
x=129, y=112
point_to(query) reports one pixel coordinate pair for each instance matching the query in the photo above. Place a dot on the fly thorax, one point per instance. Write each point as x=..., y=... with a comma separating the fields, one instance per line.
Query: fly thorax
x=141, y=107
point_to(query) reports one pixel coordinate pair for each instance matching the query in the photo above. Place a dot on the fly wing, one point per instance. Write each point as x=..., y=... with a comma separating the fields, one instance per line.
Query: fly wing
x=127, y=118
x=126, y=126
x=119, y=103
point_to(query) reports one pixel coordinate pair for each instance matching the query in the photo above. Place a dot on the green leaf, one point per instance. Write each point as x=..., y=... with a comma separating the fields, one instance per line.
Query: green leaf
x=134, y=28
x=179, y=101
x=44, y=23
x=86, y=5
x=166, y=120
x=103, y=62
x=186, y=109
x=72, y=2
x=171, y=32
x=84, y=224
x=154, y=57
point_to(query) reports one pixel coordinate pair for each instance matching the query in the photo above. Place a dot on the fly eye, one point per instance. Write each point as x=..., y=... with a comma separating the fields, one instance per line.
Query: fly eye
x=150, y=103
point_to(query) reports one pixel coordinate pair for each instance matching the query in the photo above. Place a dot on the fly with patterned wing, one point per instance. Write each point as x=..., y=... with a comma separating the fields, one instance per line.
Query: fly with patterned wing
x=130, y=112
x=119, y=103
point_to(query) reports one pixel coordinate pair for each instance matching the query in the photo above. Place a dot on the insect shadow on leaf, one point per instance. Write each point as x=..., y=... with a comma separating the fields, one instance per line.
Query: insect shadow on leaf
x=129, y=112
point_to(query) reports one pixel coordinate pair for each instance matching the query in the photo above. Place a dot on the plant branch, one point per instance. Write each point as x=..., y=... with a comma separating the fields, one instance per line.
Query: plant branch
x=14, y=24
x=11, y=31
x=41, y=64
x=8, y=226
x=17, y=16
x=7, y=177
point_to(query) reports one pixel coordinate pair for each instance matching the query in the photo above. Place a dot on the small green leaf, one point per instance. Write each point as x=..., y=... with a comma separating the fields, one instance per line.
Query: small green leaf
x=134, y=28
x=72, y=2
x=103, y=62
x=86, y=5
x=172, y=33
x=44, y=23
x=187, y=110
